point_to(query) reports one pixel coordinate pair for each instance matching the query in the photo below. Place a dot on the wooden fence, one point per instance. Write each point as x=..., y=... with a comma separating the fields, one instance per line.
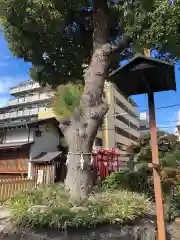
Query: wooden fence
x=9, y=187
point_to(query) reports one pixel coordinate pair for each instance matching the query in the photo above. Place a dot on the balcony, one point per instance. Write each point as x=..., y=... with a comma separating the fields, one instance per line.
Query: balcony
x=30, y=99
x=126, y=103
x=25, y=87
x=34, y=111
x=128, y=128
x=133, y=119
x=13, y=102
x=22, y=113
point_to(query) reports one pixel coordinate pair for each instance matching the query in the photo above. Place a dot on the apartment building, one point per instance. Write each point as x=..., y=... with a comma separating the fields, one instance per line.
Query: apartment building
x=28, y=100
x=121, y=124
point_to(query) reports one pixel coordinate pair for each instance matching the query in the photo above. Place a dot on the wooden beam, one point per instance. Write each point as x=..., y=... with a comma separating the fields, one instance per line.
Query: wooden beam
x=155, y=165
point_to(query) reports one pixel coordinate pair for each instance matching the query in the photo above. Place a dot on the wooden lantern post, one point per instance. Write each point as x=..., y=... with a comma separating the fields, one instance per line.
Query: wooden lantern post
x=143, y=75
x=161, y=232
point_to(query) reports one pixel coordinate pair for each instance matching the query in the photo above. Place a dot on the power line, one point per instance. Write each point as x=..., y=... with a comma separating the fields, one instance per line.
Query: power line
x=170, y=106
x=164, y=107
x=169, y=121
x=172, y=121
x=168, y=127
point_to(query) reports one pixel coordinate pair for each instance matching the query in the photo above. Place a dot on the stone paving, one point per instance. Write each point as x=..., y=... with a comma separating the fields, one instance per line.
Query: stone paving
x=174, y=230
x=4, y=219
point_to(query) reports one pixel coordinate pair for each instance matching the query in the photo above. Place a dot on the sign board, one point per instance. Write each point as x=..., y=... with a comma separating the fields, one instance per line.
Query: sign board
x=40, y=176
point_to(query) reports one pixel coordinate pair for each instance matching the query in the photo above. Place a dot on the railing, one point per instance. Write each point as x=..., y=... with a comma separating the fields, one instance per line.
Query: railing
x=25, y=87
x=30, y=99
x=9, y=187
x=21, y=113
x=126, y=115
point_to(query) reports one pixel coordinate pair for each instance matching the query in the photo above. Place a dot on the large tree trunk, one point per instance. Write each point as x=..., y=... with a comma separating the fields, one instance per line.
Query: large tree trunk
x=80, y=130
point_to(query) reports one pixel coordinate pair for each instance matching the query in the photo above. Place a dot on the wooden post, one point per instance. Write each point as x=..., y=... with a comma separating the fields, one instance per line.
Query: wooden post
x=155, y=165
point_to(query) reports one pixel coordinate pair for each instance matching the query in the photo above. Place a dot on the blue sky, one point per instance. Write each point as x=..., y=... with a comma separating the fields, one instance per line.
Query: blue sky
x=166, y=117
x=13, y=70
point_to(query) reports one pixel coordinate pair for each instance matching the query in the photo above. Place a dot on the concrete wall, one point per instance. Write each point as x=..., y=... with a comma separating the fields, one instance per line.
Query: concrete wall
x=18, y=135
x=48, y=142
x=47, y=114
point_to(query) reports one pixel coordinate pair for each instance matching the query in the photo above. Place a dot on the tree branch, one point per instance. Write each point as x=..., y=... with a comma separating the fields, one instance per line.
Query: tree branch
x=64, y=124
x=123, y=43
x=100, y=22
x=109, y=48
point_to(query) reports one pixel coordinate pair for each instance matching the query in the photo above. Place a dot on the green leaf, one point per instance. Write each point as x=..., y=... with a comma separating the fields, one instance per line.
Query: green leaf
x=66, y=99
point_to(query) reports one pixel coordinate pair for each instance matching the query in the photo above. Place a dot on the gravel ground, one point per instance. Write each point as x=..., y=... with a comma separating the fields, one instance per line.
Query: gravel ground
x=174, y=230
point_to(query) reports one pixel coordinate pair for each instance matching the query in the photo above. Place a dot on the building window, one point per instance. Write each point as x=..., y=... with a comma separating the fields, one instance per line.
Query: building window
x=143, y=128
x=121, y=146
x=125, y=134
x=118, y=145
x=98, y=142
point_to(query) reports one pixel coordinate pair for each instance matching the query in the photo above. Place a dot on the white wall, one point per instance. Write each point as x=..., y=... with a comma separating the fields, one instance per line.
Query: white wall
x=18, y=135
x=48, y=142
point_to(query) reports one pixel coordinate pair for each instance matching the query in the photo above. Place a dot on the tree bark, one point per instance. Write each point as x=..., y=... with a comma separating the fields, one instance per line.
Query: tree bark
x=81, y=128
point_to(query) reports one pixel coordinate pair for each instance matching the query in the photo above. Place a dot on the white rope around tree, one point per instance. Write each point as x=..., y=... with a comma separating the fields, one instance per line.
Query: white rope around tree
x=81, y=158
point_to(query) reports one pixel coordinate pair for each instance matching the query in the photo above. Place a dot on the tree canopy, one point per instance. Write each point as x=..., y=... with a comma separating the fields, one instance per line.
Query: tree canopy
x=56, y=36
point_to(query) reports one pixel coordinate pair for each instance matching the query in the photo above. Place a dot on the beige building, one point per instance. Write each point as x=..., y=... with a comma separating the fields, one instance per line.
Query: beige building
x=121, y=124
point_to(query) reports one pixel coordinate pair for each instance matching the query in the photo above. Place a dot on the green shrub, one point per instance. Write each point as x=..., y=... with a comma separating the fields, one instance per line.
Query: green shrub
x=178, y=187
x=136, y=181
x=61, y=212
x=116, y=180
x=175, y=205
